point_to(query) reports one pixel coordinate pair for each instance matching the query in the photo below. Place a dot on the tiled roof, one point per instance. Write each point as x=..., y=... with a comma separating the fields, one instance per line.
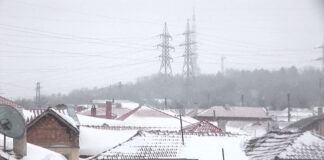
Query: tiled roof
x=9, y=102
x=302, y=124
x=286, y=145
x=146, y=116
x=234, y=111
x=145, y=146
x=202, y=126
x=158, y=145
x=58, y=114
x=31, y=114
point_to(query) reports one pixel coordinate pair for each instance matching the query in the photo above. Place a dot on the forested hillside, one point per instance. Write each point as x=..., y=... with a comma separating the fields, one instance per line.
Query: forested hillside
x=258, y=87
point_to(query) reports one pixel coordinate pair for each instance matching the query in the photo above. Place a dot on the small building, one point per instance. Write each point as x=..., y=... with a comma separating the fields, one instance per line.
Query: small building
x=284, y=145
x=55, y=130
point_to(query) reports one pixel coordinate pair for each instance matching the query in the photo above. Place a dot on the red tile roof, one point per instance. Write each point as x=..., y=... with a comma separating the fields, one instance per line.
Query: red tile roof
x=9, y=102
x=202, y=127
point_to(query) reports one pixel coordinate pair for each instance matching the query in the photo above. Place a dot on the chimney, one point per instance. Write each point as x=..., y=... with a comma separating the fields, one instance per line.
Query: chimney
x=20, y=146
x=320, y=111
x=93, y=111
x=108, y=110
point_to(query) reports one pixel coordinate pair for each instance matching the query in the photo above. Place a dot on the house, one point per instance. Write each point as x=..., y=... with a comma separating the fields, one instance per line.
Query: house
x=109, y=109
x=166, y=145
x=284, y=145
x=55, y=130
x=223, y=114
x=314, y=123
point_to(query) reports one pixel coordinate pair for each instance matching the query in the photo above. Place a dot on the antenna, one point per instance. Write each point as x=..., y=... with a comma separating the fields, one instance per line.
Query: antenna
x=12, y=123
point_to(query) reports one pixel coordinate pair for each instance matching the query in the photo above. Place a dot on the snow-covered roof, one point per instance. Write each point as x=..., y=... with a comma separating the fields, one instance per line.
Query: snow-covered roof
x=145, y=145
x=286, y=145
x=68, y=114
x=57, y=113
x=305, y=123
x=202, y=126
x=101, y=111
x=145, y=116
x=94, y=141
x=34, y=152
x=9, y=102
x=124, y=103
x=234, y=111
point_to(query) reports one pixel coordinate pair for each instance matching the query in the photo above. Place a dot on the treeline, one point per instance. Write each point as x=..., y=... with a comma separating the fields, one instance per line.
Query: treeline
x=253, y=88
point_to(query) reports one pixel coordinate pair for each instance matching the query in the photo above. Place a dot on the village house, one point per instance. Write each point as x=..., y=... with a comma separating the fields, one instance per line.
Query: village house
x=284, y=145
x=109, y=109
x=224, y=114
x=55, y=130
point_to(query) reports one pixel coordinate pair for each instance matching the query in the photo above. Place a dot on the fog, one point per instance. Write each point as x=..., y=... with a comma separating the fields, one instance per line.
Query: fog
x=74, y=44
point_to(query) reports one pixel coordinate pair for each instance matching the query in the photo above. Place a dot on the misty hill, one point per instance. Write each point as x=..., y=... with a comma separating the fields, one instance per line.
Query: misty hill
x=259, y=87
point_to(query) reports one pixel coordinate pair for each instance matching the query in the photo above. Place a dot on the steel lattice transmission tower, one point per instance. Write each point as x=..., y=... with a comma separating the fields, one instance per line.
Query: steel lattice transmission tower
x=321, y=58
x=165, y=56
x=196, y=69
x=188, y=65
x=37, y=98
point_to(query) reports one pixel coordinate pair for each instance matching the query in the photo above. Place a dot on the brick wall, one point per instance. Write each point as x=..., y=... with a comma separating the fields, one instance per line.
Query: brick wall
x=49, y=131
x=321, y=128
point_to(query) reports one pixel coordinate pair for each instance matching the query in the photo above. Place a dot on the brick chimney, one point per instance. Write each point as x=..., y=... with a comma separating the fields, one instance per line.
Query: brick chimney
x=93, y=111
x=108, y=109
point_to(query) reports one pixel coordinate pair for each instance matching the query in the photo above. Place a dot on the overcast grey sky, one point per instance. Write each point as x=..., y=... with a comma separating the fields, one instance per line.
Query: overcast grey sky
x=68, y=44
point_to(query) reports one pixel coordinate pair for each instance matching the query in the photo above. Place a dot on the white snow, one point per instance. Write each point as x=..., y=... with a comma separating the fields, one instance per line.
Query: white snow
x=66, y=118
x=33, y=152
x=210, y=147
x=94, y=141
x=88, y=120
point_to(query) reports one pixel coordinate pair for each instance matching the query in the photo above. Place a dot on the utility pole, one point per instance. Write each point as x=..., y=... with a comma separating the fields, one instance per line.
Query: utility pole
x=38, y=94
x=181, y=128
x=223, y=64
x=242, y=100
x=288, y=99
x=188, y=55
x=165, y=67
x=196, y=69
